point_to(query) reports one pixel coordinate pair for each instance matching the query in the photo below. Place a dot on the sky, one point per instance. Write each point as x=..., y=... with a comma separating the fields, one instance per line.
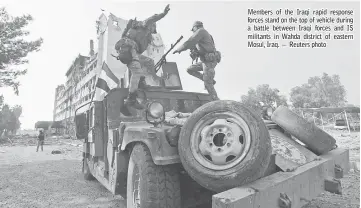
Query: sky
x=67, y=26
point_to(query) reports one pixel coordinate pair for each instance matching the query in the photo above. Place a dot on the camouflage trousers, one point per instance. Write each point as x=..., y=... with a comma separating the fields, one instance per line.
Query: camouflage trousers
x=138, y=68
x=207, y=76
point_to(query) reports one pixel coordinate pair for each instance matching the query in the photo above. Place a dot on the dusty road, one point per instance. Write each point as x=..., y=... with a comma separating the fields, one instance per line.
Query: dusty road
x=42, y=180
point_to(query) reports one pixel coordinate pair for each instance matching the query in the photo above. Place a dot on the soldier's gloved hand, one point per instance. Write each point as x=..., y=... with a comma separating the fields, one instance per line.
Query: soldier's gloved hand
x=166, y=9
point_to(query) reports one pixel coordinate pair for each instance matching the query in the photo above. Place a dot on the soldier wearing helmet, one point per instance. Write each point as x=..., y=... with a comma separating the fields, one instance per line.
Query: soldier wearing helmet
x=135, y=40
x=202, y=42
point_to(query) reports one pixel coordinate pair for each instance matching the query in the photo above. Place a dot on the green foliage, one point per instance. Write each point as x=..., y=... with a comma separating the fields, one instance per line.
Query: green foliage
x=9, y=117
x=324, y=91
x=13, y=48
x=263, y=95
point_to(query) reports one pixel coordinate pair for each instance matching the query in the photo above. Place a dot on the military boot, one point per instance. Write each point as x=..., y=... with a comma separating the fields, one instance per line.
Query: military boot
x=132, y=101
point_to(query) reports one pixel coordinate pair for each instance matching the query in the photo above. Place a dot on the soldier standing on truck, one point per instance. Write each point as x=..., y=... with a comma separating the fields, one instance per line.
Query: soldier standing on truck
x=202, y=45
x=135, y=40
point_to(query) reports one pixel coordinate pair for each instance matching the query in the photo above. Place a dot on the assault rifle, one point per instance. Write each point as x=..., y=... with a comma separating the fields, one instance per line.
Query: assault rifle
x=163, y=59
x=194, y=54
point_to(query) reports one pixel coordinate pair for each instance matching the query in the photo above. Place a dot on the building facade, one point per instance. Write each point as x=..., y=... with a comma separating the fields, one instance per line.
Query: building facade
x=81, y=75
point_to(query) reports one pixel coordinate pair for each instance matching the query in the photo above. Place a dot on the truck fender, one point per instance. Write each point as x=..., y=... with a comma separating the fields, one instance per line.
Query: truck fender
x=160, y=150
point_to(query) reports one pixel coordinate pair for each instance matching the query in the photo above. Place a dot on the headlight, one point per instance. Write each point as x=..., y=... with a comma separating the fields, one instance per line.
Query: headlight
x=156, y=110
x=269, y=111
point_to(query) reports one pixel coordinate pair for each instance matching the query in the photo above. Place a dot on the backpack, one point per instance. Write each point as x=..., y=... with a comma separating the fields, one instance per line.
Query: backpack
x=125, y=56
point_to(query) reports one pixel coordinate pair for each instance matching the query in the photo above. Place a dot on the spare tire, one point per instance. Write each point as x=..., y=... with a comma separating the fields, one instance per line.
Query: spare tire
x=308, y=133
x=224, y=144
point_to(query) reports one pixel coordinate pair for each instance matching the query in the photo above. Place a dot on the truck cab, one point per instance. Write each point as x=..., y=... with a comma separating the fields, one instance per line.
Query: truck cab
x=110, y=129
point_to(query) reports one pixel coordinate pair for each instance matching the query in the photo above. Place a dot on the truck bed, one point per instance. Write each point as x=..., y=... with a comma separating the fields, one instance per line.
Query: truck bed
x=283, y=189
x=290, y=189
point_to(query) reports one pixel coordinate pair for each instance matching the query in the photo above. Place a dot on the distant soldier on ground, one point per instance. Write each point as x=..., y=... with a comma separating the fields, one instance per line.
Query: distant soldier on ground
x=135, y=40
x=202, y=45
x=41, y=139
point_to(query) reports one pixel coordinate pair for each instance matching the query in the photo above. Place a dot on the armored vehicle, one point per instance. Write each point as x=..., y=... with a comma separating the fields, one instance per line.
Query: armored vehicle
x=185, y=150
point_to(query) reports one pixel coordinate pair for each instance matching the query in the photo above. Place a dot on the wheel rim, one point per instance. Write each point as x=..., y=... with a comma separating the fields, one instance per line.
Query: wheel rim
x=220, y=140
x=136, y=188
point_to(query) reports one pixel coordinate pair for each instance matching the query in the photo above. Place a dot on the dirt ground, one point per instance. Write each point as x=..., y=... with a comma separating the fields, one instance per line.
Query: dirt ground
x=41, y=179
x=31, y=179
x=350, y=197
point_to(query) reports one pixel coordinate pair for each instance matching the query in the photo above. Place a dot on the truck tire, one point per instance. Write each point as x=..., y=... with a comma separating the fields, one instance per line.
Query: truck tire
x=308, y=133
x=150, y=185
x=86, y=172
x=223, y=144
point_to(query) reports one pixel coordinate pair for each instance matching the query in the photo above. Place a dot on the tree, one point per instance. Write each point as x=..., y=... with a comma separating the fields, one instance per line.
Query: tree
x=265, y=95
x=9, y=118
x=1, y=101
x=325, y=91
x=13, y=48
x=5, y=115
x=15, y=119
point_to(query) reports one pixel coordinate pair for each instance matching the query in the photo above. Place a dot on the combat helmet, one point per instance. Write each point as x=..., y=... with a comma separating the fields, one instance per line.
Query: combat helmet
x=197, y=24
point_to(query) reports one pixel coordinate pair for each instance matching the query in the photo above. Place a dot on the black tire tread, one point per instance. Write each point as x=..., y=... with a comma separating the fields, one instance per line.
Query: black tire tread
x=162, y=181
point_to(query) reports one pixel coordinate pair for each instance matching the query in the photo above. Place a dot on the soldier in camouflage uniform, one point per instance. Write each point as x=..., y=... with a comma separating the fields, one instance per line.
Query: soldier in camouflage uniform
x=135, y=40
x=202, y=45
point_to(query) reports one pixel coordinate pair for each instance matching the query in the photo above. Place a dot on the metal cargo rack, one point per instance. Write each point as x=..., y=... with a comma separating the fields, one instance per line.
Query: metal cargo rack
x=287, y=185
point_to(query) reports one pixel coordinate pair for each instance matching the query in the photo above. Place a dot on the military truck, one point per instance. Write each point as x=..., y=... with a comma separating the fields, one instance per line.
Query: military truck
x=220, y=155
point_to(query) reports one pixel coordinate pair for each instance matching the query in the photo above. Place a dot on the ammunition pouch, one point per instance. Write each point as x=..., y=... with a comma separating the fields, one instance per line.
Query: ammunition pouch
x=124, y=56
x=211, y=57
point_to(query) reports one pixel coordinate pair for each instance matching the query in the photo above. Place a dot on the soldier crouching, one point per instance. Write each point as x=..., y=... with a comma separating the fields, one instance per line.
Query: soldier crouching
x=202, y=45
x=208, y=63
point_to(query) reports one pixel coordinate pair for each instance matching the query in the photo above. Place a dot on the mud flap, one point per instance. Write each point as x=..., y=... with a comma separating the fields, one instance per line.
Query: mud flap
x=82, y=166
x=333, y=185
x=118, y=174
